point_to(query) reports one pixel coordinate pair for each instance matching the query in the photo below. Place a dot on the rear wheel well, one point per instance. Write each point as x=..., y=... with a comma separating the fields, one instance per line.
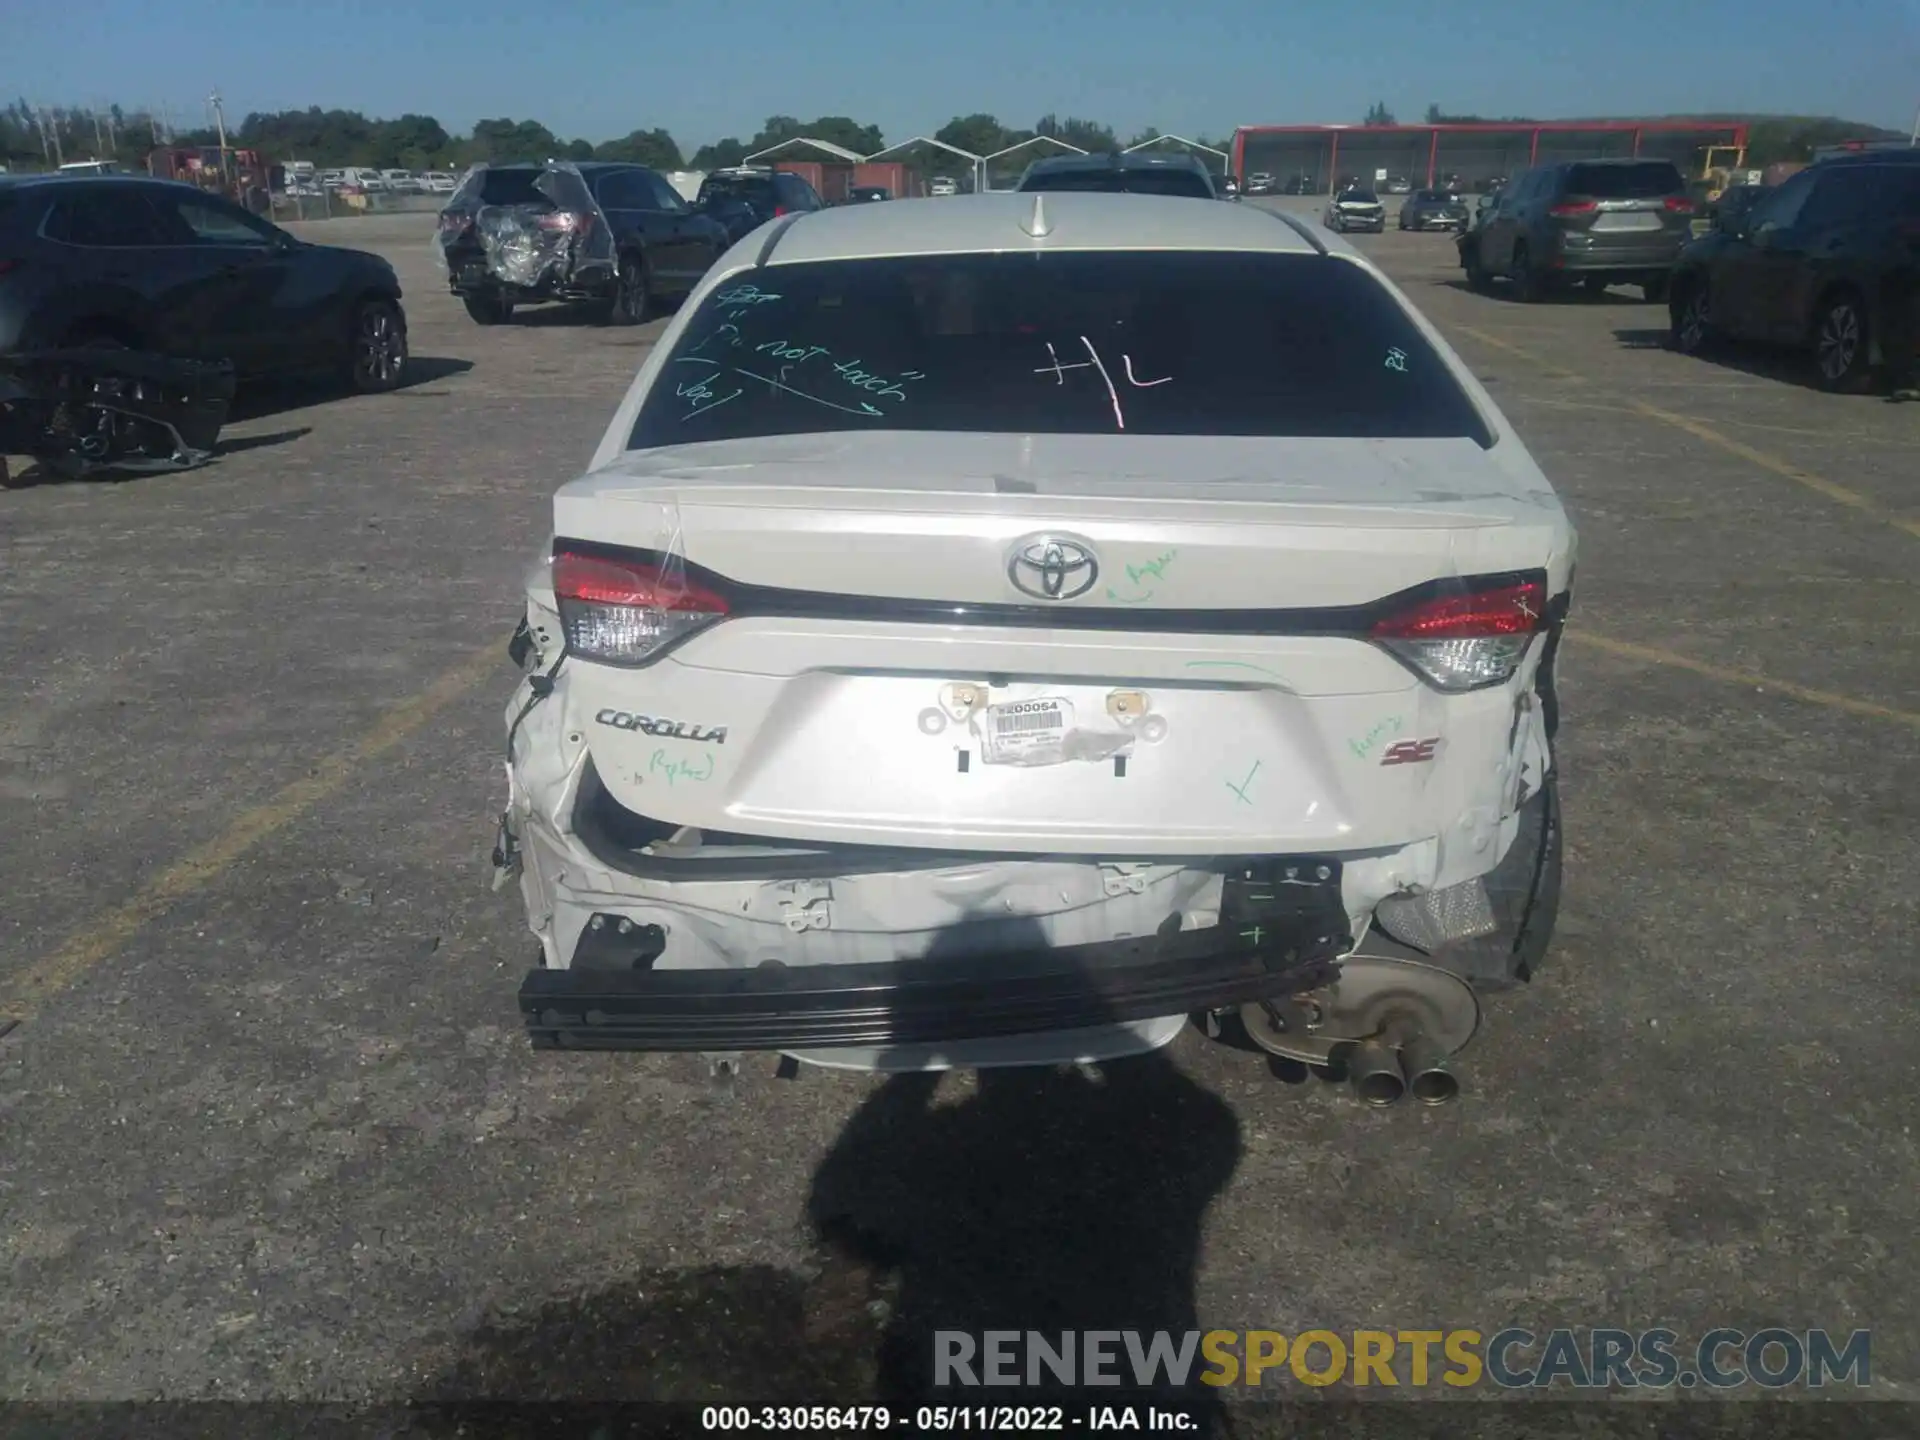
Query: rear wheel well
x=1836, y=290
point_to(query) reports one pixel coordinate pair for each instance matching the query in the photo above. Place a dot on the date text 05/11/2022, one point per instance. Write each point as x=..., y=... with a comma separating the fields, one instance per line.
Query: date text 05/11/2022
x=945, y=1419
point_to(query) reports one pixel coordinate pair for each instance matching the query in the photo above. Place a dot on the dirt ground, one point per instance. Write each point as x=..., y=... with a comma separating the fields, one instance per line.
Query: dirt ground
x=269, y=1126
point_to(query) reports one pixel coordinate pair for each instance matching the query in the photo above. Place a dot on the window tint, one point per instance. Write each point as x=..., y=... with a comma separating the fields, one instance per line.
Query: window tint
x=1358, y=197
x=511, y=187
x=213, y=223
x=660, y=195
x=1079, y=342
x=1782, y=208
x=795, y=193
x=1844, y=197
x=1642, y=180
x=107, y=218
x=625, y=190
x=754, y=190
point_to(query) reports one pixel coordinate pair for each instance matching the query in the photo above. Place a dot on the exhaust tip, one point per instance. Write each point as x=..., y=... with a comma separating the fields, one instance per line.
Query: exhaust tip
x=1374, y=1072
x=1423, y=1065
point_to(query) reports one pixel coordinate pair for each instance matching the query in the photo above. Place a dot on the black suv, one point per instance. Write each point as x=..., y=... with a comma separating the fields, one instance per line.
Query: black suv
x=1599, y=222
x=154, y=265
x=617, y=236
x=745, y=197
x=1135, y=174
x=1815, y=264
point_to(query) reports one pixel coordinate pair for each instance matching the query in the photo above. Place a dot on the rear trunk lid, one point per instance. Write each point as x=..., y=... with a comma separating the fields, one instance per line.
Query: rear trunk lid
x=893, y=672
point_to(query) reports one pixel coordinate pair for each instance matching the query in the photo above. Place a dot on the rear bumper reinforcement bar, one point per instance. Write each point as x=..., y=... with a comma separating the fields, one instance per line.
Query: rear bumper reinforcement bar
x=1275, y=938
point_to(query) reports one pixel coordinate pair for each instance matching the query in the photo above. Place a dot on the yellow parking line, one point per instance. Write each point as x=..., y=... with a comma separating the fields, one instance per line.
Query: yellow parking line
x=40, y=982
x=1652, y=655
x=1772, y=464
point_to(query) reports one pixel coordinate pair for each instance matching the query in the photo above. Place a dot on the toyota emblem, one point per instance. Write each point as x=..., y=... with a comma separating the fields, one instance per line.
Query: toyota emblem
x=1052, y=567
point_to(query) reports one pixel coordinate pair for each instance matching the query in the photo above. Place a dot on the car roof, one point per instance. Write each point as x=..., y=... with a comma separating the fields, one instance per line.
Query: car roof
x=1075, y=164
x=1003, y=220
x=71, y=181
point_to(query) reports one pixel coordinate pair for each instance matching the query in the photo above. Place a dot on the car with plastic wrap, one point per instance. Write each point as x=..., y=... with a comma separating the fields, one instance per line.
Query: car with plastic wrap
x=617, y=237
x=998, y=635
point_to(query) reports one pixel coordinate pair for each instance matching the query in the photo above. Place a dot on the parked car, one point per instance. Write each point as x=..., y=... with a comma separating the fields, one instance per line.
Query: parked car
x=843, y=797
x=1355, y=209
x=1260, y=183
x=159, y=266
x=1137, y=174
x=1301, y=185
x=1433, y=210
x=742, y=198
x=942, y=185
x=1806, y=267
x=1228, y=186
x=616, y=236
x=440, y=182
x=403, y=182
x=1594, y=222
x=1396, y=185
x=867, y=194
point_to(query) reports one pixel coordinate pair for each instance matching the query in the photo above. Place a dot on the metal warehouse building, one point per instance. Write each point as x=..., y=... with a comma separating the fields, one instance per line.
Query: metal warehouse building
x=1424, y=154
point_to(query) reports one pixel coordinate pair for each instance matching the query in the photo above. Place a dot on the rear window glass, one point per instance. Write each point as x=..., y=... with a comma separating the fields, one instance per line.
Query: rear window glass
x=1129, y=182
x=1164, y=343
x=1646, y=180
x=754, y=190
x=511, y=187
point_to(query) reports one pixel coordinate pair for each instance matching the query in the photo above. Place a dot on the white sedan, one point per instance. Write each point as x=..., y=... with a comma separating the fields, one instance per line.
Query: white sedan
x=995, y=635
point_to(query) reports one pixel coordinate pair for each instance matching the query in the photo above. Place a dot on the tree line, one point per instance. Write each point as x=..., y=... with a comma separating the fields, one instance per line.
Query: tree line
x=32, y=138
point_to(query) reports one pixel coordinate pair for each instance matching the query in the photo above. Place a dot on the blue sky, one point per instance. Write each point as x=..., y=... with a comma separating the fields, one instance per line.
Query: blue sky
x=597, y=69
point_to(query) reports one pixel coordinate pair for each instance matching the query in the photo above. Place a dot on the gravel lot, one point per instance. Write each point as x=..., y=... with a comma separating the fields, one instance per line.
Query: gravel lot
x=269, y=1128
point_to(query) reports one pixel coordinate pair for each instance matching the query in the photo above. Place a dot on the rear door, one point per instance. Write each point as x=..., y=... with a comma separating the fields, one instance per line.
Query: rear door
x=118, y=258
x=695, y=241
x=1834, y=234
x=1746, y=282
x=629, y=207
x=1497, y=236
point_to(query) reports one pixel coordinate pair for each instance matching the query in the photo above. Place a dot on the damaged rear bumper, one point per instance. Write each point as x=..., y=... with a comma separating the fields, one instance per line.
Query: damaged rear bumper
x=930, y=1001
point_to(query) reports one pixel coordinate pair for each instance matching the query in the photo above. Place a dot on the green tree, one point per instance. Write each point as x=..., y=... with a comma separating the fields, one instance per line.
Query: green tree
x=719, y=155
x=1380, y=115
x=504, y=140
x=977, y=134
x=1087, y=135
x=642, y=147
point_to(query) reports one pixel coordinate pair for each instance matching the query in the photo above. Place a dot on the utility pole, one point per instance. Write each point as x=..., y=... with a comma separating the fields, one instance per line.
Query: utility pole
x=99, y=140
x=219, y=118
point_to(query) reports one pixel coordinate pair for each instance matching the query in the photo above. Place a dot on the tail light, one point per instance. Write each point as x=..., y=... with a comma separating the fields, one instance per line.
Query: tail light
x=562, y=220
x=624, y=612
x=1678, y=205
x=452, y=224
x=1464, y=642
x=1569, y=209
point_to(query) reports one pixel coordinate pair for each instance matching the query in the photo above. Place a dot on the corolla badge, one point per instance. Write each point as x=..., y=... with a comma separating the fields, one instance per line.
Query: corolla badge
x=1052, y=567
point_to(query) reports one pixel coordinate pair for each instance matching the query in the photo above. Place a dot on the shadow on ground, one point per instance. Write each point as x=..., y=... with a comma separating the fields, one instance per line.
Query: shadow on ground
x=1784, y=367
x=1036, y=1199
x=278, y=397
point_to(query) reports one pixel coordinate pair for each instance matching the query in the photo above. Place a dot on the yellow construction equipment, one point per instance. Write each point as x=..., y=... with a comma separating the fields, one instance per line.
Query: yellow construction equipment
x=1719, y=176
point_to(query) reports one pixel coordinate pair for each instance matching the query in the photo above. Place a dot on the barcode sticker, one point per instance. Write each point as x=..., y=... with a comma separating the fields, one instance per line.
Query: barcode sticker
x=1025, y=732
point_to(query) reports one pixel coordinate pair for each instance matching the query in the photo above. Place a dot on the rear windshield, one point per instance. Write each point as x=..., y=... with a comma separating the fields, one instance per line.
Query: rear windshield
x=1643, y=180
x=1131, y=182
x=1081, y=342
x=511, y=187
x=753, y=189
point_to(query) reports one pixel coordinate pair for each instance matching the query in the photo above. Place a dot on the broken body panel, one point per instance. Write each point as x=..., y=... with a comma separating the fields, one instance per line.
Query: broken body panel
x=909, y=752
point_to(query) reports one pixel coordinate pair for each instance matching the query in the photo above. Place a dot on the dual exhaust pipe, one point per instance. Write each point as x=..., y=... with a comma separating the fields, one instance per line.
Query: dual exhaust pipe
x=1399, y=1063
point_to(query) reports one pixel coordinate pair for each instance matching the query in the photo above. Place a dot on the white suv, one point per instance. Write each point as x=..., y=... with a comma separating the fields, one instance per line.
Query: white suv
x=995, y=636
